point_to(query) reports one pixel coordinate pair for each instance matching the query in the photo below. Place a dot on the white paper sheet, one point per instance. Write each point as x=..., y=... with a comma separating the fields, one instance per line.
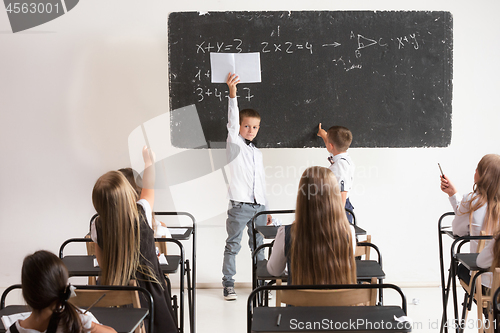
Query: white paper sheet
x=162, y=259
x=245, y=65
x=11, y=319
x=177, y=231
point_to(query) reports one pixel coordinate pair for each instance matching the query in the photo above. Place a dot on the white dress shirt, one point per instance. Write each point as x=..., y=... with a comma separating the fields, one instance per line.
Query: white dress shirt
x=460, y=224
x=246, y=166
x=460, y=227
x=343, y=169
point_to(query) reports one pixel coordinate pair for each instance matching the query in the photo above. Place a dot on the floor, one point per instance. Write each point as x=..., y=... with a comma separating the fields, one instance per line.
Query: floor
x=214, y=314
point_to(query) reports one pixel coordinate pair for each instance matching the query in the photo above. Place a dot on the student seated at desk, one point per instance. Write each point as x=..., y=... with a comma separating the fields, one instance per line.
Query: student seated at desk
x=318, y=247
x=44, y=280
x=478, y=210
x=125, y=247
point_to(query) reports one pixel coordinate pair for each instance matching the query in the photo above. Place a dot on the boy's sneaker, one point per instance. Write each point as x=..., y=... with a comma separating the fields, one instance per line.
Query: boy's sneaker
x=230, y=294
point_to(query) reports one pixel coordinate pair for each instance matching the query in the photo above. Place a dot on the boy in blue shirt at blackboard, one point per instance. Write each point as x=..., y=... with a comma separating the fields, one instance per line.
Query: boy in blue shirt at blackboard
x=337, y=141
x=247, y=185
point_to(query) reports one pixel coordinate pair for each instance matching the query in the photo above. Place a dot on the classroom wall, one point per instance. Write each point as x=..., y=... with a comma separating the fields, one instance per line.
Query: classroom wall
x=75, y=91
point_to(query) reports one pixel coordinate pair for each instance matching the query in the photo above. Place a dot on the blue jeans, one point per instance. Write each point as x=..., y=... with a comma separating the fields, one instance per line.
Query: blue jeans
x=239, y=215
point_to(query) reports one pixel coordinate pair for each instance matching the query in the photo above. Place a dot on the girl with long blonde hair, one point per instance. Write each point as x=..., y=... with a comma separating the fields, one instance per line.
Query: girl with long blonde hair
x=318, y=247
x=478, y=210
x=125, y=247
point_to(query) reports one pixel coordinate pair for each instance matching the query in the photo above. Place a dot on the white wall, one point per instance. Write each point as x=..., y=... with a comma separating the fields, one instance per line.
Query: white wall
x=74, y=89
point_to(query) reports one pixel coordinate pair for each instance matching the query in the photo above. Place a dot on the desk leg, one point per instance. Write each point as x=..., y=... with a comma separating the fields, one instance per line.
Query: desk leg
x=444, y=324
x=443, y=288
x=454, y=291
x=190, y=296
x=381, y=293
x=181, y=293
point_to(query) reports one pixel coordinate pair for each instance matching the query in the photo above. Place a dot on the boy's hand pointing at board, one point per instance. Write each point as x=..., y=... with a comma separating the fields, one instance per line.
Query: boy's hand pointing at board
x=232, y=81
x=321, y=132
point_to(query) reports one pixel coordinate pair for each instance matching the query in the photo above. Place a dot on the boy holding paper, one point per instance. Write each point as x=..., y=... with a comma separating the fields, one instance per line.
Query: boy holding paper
x=247, y=185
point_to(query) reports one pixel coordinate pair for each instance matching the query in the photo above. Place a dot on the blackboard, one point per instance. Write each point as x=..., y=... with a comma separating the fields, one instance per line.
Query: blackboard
x=386, y=75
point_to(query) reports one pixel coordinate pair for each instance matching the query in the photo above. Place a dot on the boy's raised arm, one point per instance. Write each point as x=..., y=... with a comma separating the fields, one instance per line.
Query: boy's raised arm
x=233, y=123
x=232, y=81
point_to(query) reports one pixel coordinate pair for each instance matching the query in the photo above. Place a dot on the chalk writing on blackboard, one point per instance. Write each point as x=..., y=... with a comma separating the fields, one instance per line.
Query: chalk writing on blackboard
x=385, y=75
x=289, y=47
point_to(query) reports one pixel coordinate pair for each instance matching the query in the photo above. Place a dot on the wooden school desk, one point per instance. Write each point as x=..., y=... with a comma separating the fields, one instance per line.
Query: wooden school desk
x=83, y=265
x=123, y=320
x=365, y=270
x=468, y=259
x=190, y=271
x=361, y=319
x=187, y=268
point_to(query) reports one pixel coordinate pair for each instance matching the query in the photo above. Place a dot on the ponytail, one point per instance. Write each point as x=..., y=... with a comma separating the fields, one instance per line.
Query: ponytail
x=66, y=314
x=45, y=281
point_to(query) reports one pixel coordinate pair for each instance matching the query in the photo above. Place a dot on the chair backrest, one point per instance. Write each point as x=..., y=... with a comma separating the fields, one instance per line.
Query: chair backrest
x=162, y=246
x=6, y=292
x=87, y=297
x=92, y=296
x=482, y=242
x=364, y=250
x=485, y=301
x=495, y=282
x=90, y=246
x=338, y=297
x=91, y=252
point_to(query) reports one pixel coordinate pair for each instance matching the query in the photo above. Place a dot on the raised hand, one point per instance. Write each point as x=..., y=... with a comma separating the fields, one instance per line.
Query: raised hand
x=232, y=81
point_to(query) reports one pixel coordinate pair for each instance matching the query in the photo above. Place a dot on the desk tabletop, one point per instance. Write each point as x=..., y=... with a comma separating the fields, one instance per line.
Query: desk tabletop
x=468, y=260
x=84, y=265
x=123, y=320
x=447, y=231
x=181, y=233
x=365, y=270
x=359, y=319
x=270, y=231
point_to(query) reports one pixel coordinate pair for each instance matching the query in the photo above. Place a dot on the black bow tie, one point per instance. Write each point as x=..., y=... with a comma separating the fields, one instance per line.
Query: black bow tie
x=248, y=142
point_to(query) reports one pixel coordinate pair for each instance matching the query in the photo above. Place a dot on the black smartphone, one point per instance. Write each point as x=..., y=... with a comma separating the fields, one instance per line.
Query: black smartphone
x=442, y=174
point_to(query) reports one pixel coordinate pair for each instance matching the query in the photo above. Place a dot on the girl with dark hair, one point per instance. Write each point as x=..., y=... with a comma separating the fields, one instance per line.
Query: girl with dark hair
x=44, y=280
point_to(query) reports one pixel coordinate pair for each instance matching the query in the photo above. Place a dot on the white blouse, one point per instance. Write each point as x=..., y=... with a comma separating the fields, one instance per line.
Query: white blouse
x=460, y=224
